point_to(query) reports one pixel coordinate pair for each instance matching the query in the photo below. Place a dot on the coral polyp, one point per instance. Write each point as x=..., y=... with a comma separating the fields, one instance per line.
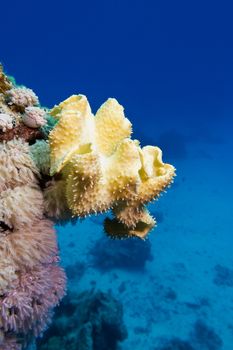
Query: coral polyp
x=58, y=166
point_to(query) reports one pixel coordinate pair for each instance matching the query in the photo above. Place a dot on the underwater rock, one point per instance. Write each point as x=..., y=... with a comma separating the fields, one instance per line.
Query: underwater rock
x=204, y=337
x=223, y=276
x=198, y=303
x=21, y=132
x=129, y=254
x=87, y=321
x=170, y=294
x=175, y=344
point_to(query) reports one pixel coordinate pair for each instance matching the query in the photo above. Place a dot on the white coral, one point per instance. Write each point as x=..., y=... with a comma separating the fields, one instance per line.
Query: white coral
x=21, y=206
x=21, y=97
x=7, y=274
x=34, y=117
x=16, y=165
x=6, y=122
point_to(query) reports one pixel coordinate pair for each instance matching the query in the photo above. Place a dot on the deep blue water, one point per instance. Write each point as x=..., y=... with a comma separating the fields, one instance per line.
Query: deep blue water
x=169, y=63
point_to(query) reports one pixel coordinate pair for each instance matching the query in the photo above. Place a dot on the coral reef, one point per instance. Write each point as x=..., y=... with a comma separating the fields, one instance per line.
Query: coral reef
x=92, y=156
x=57, y=166
x=89, y=321
x=223, y=276
x=31, y=281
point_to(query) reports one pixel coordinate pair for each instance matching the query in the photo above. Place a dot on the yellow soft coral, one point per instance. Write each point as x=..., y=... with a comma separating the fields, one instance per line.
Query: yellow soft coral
x=102, y=167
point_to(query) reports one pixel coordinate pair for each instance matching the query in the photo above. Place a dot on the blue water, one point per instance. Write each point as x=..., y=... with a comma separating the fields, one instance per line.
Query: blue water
x=170, y=65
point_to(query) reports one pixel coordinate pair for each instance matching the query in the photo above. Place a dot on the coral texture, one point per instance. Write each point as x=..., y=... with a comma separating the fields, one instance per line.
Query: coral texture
x=21, y=97
x=16, y=165
x=6, y=122
x=30, y=245
x=61, y=165
x=31, y=281
x=34, y=117
x=92, y=155
x=7, y=274
x=20, y=206
x=28, y=305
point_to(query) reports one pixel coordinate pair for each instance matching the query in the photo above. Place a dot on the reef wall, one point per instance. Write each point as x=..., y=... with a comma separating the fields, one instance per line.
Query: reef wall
x=55, y=166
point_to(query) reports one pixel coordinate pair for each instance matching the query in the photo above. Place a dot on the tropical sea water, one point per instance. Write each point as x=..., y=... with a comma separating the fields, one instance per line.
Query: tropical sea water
x=170, y=65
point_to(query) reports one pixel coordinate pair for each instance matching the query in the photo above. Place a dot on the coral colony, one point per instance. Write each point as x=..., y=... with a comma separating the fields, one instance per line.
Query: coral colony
x=55, y=166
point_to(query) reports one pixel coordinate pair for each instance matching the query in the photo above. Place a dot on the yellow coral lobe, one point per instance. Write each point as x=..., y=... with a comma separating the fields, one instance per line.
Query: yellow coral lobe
x=85, y=191
x=155, y=175
x=116, y=229
x=103, y=168
x=111, y=126
x=122, y=170
x=71, y=132
x=129, y=215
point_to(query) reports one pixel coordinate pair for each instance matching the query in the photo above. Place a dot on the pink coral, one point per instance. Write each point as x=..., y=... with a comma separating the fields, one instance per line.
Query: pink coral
x=10, y=343
x=31, y=281
x=34, y=117
x=29, y=305
x=30, y=245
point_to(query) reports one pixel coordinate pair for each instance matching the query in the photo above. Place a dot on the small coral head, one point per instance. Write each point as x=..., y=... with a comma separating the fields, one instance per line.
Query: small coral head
x=21, y=97
x=34, y=117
